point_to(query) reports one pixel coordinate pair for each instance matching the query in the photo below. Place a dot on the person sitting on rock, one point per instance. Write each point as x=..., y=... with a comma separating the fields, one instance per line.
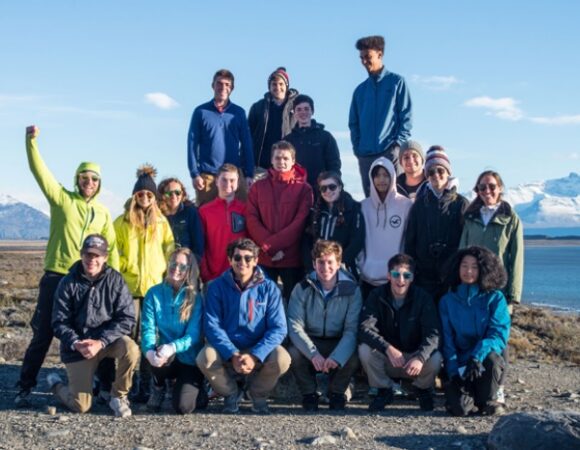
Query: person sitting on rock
x=245, y=325
x=399, y=336
x=322, y=325
x=476, y=326
x=93, y=315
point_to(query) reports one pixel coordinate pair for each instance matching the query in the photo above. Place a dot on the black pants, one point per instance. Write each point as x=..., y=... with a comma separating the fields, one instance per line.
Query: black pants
x=462, y=399
x=42, y=333
x=290, y=277
x=188, y=384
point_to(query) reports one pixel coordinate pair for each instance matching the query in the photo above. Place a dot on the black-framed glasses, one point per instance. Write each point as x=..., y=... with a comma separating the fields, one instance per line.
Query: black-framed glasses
x=328, y=187
x=176, y=192
x=406, y=275
x=246, y=258
x=483, y=186
x=182, y=267
x=436, y=170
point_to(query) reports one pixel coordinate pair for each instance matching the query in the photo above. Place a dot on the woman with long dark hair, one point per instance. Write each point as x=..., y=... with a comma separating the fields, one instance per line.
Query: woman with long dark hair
x=476, y=325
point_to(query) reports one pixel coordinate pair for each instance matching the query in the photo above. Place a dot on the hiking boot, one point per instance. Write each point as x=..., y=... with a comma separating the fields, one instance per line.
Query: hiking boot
x=120, y=406
x=22, y=399
x=384, y=397
x=310, y=402
x=156, y=397
x=53, y=379
x=493, y=409
x=232, y=403
x=260, y=406
x=336, y=402
x=425, y=399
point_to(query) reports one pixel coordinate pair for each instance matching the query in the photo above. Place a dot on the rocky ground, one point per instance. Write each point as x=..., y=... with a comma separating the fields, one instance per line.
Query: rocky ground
x=540, y=379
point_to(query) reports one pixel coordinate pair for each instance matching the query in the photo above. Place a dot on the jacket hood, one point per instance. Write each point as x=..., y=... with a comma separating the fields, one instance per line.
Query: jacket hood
x=314, y=125
x=84, y=167
x=346, y=284
x=257, y=278
x=295, y=175
x=388, y=165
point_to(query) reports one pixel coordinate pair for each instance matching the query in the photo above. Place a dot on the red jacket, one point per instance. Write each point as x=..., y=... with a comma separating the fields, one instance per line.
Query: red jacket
x=222, y=223
x=277, y=210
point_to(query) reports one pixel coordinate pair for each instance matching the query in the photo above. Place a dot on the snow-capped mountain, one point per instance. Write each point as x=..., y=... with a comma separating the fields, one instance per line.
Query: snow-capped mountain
x=548, y=204
x=20, y=221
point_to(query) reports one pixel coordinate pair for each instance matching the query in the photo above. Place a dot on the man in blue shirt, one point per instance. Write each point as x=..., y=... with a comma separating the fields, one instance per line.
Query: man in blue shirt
x=218, y=134
x=380, y=111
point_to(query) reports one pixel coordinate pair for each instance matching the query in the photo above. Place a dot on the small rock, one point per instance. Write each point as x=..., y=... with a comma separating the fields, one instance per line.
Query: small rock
x=63, y=419
x=538, y=407
x=2, y=360
x=461, y=429
x=520, y=381
x=57, y=433
x=325, y=439
x=213, y=434
x=142, y=448
x=51, y=410
x=556, y=390
x=347, y=433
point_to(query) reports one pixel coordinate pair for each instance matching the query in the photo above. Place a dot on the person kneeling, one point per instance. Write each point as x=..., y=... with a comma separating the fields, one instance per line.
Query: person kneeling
x=171, y=334
x=93, y=316
x=399, y=335
x=322, y=324
x=245, y=325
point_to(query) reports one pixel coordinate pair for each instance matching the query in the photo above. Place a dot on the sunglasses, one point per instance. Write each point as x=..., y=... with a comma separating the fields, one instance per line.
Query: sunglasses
x=328, y=187
x=177, y=192
x=93, y=178
x=246, y=258
x=406, y=275
x=182, y=267
x=483, y=186
x=142, y=194
x=436, y=170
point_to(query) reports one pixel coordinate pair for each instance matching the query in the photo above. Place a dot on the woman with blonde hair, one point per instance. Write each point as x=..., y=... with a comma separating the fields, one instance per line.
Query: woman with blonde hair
x=144, y=241
x=171, y=333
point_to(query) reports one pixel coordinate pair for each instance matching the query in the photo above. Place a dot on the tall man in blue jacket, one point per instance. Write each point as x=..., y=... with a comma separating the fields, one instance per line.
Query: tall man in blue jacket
x=245, y=325
x=380, y=111
x=218, y=134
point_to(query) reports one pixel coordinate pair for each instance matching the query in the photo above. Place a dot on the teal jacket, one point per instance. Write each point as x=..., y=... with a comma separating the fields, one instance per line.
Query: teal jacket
x=474, y=324
x=160, y=323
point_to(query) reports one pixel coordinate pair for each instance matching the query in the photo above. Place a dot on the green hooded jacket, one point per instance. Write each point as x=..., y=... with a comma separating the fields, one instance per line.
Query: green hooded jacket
x=72, y=217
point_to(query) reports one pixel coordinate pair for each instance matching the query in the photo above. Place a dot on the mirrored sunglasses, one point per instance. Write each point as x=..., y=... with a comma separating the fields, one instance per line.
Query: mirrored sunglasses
x=176, y=192
x=406, y=275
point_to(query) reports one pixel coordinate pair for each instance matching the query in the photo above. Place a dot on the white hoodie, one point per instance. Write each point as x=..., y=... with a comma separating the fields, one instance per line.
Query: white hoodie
x=385, y=224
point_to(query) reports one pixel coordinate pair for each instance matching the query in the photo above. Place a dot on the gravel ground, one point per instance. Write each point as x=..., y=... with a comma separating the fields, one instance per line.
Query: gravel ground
x=533, y=386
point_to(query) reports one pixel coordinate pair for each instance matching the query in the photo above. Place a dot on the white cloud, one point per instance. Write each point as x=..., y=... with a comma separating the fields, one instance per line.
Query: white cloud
x=161, y=100
x=557, y=120
x=504, y=108
x=436, y=82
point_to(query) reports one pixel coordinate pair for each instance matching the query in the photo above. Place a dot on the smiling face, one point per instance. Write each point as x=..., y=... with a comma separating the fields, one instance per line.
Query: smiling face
x=372, y=60
x=93, y=263
x=173, y=195
x=222, y=88
x=88, y=183
x=243, y=263
x=330, y=190
x=278, y=88
x=382, y=180
x=412, y=163
x=227, y=185
x=469, y=270
x=438, y=177
x=177, y=270
x=326, y=267
x=489, y=190
x=144, y=199
x=303, y=113
x=282, y=160
x=400, y=278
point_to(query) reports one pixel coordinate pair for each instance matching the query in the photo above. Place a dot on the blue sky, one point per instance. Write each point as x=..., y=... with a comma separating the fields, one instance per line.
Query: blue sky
x=495, y=83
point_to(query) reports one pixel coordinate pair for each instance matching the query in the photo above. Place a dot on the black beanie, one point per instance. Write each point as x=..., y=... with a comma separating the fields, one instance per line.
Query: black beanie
x=145, y=175
x=303, y=98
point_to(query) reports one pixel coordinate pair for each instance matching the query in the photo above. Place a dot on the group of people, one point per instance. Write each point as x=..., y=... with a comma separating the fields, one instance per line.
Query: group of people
x=276, y=267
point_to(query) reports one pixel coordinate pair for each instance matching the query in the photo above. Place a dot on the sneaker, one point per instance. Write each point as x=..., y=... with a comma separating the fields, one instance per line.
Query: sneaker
x=493, y=409
x=337, y=402
x=260, y=406
x=156, y=397
x=232, y=403
x=52, y=379
x=120, y=406
x=310, y=402
x=500, y=395
x=22, y=399
x=384, y=397
x=425, y=399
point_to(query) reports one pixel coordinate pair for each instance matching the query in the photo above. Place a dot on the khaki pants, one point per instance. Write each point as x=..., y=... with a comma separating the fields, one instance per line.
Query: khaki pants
x=380, y=371
x=210, y=192
x=78, y=395
x=261, y=381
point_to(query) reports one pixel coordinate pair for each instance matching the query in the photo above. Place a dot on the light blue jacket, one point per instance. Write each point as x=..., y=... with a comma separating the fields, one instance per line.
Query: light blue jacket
x=380, y=114
x=474, y=323
x=160, y=323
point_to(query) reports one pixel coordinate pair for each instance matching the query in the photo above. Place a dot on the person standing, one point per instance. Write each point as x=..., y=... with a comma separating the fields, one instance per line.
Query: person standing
x=316, y=148
x=223, y=221
x=380, y=111
x=272, y=117
x=218, y=134
x=73, y=216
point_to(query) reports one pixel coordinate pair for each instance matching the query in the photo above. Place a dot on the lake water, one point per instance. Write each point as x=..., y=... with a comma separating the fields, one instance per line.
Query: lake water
x=552, y=276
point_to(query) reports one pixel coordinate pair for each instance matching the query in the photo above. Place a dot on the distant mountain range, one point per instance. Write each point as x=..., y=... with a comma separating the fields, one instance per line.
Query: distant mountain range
x=550, y=207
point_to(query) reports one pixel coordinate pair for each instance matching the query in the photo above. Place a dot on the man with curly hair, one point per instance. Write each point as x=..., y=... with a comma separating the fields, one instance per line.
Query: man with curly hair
x=380, y=111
